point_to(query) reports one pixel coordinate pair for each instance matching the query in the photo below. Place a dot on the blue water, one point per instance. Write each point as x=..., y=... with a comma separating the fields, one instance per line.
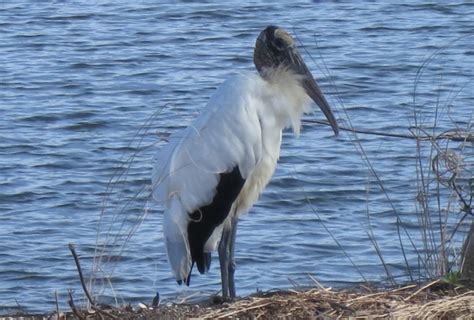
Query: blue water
x=78, y=79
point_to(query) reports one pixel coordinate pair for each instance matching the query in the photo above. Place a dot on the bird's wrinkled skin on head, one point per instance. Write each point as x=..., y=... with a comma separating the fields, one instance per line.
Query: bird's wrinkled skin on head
x=270, y=48
x=276, y=49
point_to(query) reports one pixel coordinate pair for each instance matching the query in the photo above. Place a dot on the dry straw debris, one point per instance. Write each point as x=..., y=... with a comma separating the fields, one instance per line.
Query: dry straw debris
x=327, y=304
x=433, y=301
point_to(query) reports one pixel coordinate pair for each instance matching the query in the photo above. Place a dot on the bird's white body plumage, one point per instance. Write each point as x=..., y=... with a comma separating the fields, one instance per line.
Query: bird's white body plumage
x=240, y=126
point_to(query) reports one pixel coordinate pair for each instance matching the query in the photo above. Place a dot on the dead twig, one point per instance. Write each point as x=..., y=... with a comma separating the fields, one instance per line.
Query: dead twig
x=76, y=312
x=226, y=315
x=79, y=270
x=421, y=289
x=459, y=136
x=318, y=283
x=84, y=288
x=57, y=304
x=411, y=286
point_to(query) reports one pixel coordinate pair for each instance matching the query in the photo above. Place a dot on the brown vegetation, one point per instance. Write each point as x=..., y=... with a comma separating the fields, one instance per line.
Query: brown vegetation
x=432, y=301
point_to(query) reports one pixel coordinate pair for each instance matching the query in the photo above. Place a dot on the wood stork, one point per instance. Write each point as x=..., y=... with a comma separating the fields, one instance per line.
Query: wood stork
x=214, y=170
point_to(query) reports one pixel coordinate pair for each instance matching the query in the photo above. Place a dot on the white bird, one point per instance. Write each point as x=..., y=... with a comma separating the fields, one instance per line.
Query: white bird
x=214, y=170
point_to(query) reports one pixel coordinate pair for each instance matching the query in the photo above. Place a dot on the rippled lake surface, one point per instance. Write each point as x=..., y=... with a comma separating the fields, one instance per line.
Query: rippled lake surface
x=79, y=79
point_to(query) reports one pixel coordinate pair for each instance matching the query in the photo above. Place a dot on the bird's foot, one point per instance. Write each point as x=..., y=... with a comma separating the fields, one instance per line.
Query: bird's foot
x=221, y=299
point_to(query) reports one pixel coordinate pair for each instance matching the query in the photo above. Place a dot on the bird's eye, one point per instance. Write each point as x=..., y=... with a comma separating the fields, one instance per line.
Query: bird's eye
x=279, y=43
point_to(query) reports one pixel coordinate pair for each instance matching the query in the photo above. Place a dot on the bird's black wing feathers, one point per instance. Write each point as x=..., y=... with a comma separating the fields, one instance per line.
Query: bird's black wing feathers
x=207, y=218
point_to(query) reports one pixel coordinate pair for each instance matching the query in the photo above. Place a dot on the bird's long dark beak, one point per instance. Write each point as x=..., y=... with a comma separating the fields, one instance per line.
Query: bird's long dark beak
x=295, y=60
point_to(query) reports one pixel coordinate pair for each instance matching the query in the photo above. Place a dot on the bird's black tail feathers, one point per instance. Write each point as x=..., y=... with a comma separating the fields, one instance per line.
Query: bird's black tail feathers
x=206, y=218
x=203, y=263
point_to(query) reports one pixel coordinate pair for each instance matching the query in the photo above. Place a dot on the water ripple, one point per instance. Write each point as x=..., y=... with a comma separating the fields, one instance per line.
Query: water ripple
x=79, y=80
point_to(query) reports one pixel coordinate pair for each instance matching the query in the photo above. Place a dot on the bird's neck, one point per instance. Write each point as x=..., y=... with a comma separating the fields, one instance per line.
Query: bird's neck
x=286, y=99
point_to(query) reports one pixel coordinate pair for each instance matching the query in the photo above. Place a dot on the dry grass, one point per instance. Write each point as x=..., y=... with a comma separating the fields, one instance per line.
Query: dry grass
x=432, y=301
x=328, y=304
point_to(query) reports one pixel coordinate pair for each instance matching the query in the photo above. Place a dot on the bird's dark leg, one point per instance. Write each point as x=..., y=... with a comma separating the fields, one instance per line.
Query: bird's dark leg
x=226, y=258
x=224, y=261
x=231, y=250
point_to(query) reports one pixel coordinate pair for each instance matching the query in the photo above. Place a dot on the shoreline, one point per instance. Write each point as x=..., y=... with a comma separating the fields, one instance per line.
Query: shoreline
x=433, y=300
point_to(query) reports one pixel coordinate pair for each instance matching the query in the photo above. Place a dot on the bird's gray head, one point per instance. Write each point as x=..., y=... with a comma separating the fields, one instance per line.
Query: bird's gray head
x=275, y=48
x=272, y=49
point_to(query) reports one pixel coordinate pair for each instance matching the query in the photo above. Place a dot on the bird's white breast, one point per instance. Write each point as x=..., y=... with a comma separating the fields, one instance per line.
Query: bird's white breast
x=280, y=101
